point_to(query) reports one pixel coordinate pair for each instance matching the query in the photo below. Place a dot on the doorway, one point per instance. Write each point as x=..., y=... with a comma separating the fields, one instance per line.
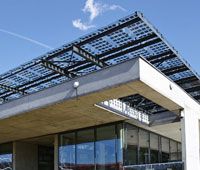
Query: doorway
x=45, y=157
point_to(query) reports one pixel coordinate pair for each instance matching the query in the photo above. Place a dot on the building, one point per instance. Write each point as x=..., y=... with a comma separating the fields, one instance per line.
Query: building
x=118, y=98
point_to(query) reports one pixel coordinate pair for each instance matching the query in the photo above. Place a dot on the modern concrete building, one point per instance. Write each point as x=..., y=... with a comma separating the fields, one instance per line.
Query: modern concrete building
x=118, y=98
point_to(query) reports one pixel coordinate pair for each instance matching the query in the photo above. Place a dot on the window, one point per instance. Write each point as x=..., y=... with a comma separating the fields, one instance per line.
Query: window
x=164, y=149
x=99, y=148
x=143, y=147
x=85, y=150
x=109, y=147
x=67, y=151
x=106, y=148
x=173, y=150
x=120, y=141
x=154, y=148
x=131, y=145
x=179, y=151
x=6, y=156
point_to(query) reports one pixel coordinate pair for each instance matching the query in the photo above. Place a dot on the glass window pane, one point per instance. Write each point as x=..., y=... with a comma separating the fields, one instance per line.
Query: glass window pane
x=144, y=147
x=67, y=151
x=154, y=146
x=165, y=149
x=119, y=142
x=85, y=150
x=173, y=150
x=6, y=151
x=131, y=145
x=105, y=148
x=179, y=151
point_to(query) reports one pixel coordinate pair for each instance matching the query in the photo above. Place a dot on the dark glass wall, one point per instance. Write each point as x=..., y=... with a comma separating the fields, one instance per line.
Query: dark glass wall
x=6, y=156
x=110, y=147
x=165, y=150
x=144, y=147
x=131, y=145
x=95, y=148
x=67, y=151
x=85, y=150
x=106, y=148
x=154, y=148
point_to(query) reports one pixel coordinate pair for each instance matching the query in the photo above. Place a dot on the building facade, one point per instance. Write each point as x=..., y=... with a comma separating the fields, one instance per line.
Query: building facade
x=120, y=98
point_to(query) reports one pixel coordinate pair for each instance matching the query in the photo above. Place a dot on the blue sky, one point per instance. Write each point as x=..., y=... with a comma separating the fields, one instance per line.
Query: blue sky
x=28, y=28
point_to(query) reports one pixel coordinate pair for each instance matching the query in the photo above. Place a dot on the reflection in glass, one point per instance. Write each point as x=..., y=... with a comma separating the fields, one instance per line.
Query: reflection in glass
x=6, y=156
x=154, y=148
x=165, y=149
x=131, y=145
x=110, y=147
x=119, y=142
x=173, y=150
x=105, y=148
x=179, y=151
x=144, y=146
x=85, y=150
x=67, y=151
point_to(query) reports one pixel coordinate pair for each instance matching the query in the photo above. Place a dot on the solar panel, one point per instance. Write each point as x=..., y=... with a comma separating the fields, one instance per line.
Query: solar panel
x=125, y=39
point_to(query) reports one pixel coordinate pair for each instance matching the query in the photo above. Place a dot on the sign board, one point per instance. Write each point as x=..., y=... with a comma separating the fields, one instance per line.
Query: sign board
x=124, y=109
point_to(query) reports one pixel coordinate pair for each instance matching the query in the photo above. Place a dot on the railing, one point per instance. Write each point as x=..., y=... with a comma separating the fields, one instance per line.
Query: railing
x=158, y=166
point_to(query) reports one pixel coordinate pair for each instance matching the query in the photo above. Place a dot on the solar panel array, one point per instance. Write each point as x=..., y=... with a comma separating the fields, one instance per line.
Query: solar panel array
x=125, y=39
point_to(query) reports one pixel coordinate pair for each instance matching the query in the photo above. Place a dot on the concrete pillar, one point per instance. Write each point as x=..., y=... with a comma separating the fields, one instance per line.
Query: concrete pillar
x=190, y=139
x=56, y=147
x=25, y=156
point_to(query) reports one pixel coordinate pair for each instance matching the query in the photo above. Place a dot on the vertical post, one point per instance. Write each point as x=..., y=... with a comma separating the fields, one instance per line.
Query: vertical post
x=14, y=156
x=56, y=147
x=190, y=139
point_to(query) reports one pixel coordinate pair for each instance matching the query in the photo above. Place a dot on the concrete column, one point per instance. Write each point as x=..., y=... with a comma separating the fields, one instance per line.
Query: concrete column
x=25, y=156
x=190, y=139
x=56, y=147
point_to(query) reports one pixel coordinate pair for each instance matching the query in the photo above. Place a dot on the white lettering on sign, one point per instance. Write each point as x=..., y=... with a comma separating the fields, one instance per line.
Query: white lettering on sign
x=126, y=110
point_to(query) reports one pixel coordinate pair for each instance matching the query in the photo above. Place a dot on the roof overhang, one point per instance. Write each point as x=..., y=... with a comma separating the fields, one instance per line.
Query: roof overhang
x=59, y=108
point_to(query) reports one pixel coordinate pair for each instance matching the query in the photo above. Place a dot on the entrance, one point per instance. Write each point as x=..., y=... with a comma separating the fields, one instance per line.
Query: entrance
x=45, y=157
x=42, y=149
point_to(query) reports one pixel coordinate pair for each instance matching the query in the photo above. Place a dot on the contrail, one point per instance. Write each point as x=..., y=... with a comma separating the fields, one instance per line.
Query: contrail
x=25, y=38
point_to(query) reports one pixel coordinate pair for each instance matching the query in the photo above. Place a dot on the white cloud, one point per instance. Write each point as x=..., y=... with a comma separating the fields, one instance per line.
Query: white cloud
x=94, y=9
x=97, y=8
x=80, y=25
x=115, y=7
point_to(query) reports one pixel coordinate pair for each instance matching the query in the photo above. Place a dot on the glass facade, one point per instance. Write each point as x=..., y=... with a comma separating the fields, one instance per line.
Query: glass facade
x=85, y=150
x=131, y=145
x=6, y=156
x=144, y=147
x=67, y=151
x=112, y=146
x=154, y=148
x=98, y=148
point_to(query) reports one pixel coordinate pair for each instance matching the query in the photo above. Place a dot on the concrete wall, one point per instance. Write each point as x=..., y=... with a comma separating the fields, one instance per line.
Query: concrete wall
x=25, y=156
x=190, y=139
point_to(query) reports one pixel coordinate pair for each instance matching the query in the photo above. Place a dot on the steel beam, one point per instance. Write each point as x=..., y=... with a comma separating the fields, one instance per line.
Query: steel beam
x=174, y=70
x=197, y=97
x=89, y=57
x=11, y=89
x=159, y=59
x=193, y=89
x=132, y=49
x=57, y=69
x=186, y=80
x=127, y=45
x=97, y=35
